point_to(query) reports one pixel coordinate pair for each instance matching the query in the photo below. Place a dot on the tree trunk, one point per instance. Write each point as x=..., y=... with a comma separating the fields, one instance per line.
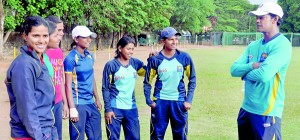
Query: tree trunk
x=120, y=35
x=2, y=16
x=112, y=40
x=6, y=36
x=99, y=43
x=136, y=41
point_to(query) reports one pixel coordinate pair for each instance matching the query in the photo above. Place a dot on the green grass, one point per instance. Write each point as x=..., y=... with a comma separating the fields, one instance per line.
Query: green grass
x=218, y=98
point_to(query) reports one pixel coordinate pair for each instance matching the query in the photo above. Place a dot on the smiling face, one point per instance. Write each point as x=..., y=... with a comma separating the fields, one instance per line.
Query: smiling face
x=127, y=51
x=54, y=40
x=170, y=43
x=83, y=42
x=37, y=39
x=60, y=29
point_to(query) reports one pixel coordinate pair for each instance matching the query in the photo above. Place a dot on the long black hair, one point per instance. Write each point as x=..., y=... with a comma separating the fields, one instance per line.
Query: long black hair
x=33, y=21
x=125, y=40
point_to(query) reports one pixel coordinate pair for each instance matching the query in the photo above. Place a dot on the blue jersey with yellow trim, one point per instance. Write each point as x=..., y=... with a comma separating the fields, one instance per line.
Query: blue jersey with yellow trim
x=169, y=83
x=118, y=83
x=81, y=67
x=264, y=86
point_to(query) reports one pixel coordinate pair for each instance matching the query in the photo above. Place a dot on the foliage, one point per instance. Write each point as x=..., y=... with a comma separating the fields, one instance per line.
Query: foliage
x=291, y=15
x=230, y=15
x=133, y=17
x=192, y=15
x=158, y=14
x=14, y=17
x=128, y=16
x=104, y=15
x=17, y=10
x=247, y=23
x=10, y=24
x=70, y=11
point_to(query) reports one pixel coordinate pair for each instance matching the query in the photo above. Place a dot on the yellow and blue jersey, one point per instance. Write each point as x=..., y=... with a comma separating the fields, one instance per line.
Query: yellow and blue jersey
x=81, y=68
x=118, y=83
x=264, y=87
x=169, y=74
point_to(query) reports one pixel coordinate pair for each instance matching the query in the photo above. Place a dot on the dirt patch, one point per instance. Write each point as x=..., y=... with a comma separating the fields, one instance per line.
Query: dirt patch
x=4, y=100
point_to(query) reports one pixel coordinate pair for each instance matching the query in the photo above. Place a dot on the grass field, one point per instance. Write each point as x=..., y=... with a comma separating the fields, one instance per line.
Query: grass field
x=217, y=97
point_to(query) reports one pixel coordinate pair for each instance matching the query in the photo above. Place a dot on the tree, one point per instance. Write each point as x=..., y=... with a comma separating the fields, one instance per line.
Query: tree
x=70, y=11
x=106, y=17
x=246, y=22
x=9, y=19
x=230, y=15
x=291, y=15
x=2, y=16
x=13, y=13
x=192, y=15
x=120, y=17
x=158, y=14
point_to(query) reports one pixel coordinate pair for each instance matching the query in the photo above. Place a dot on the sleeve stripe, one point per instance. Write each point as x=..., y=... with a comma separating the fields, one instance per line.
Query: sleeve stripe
x=188, y=71
x=110, y=78
x=141, y=72
x=152, y=75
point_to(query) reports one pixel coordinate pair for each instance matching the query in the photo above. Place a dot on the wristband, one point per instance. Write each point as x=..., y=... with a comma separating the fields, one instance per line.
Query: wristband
x=73, y=113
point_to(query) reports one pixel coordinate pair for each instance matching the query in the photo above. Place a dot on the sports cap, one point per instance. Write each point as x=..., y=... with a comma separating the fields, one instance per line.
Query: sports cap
x=169, y=32
x=267, y=8
x=82, y=31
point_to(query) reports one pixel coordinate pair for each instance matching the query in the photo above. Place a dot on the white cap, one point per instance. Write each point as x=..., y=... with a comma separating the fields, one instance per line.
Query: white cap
x=82, y=31
x=266, y=8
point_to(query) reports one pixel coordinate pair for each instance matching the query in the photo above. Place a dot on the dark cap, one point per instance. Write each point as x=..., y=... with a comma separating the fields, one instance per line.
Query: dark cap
x=169, y=32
